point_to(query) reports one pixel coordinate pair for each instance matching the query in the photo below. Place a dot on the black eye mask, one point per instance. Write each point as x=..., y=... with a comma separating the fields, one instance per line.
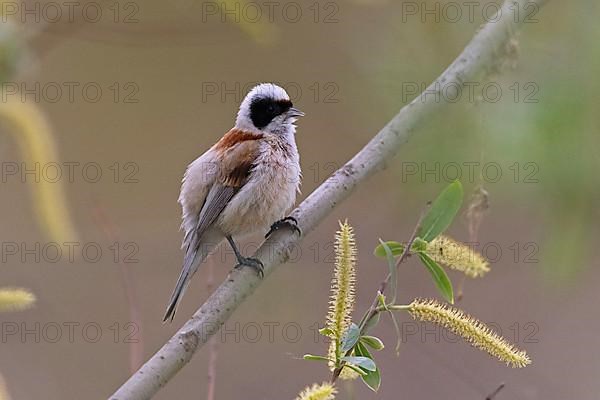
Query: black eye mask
x=263, y=110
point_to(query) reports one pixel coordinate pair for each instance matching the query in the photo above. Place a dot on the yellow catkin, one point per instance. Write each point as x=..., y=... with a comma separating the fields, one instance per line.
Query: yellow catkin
x=457, y=256
x=39, y=148
x=341, y=302
x=3, y=391
x=15, y=299
x=348, y=374
x=470, y=329
x=324, y=391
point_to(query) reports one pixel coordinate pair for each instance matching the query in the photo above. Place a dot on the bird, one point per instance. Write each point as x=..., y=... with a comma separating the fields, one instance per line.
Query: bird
x=245, y=183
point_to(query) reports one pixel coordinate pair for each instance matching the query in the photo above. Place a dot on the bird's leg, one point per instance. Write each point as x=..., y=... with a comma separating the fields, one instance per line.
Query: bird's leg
x=247, y=261
x=290, y=222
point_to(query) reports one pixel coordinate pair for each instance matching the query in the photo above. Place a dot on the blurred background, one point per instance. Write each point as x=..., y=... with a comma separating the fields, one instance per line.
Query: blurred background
x=105, y=103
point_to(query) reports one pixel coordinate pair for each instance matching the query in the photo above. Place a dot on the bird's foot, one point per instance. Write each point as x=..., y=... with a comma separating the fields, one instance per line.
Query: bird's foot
x=289, y=222
x=253, y=263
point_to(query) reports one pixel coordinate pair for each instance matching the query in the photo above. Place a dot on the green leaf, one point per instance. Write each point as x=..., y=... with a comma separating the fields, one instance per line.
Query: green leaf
x=442, y=212
x=362, y=362
x=326, y=332
x=354, y=368
x=350, y=337
x=372, y=379
x=439, y=277
x=381, y=299
x=396, y=247
x=314, y=358
x=397, y=330
x=392, y=269
x=361, y=350
x=373, y=342
x=419, y=245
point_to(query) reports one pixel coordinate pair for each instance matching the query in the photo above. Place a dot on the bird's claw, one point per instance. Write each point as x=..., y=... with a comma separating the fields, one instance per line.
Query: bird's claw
x=253, y=263
x=290, y=222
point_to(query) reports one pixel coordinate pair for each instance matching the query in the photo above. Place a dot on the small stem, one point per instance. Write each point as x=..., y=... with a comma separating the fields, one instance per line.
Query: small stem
x=495, y=392
x=373, y=310
x=396, y=307
x=369, y=315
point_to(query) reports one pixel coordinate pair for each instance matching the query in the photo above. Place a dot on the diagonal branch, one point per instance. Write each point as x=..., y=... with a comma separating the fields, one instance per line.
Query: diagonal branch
x=483, y=54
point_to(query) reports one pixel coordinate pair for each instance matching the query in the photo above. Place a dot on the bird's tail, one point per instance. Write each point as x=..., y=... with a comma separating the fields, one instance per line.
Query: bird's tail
x=180, y=286
x=192, y=260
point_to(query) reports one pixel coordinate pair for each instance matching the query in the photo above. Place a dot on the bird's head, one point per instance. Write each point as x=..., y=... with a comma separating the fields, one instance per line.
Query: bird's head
x=267, y=108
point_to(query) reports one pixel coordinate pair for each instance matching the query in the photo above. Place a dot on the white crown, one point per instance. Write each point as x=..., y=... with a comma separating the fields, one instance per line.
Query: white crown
x=268, y=90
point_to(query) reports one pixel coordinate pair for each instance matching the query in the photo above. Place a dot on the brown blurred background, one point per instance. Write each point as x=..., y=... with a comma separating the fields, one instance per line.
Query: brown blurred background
x=171, y=76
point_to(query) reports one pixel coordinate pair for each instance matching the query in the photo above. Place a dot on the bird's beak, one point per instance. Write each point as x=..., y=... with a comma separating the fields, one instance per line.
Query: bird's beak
x=294, y=113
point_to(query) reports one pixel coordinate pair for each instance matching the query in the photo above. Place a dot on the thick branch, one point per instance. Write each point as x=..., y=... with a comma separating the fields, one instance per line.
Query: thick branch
x=484, y=53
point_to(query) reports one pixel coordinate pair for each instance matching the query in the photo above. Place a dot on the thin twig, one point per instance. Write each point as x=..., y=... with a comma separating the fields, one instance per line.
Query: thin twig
x=136, y=348
x=495, y=392
x=386, y=281
x=374, y=309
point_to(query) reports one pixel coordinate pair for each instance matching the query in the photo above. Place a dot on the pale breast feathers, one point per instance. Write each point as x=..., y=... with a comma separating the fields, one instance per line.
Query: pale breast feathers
x=269, y=191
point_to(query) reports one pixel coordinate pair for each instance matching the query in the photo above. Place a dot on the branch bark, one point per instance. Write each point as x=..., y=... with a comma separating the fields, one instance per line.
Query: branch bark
x=483, y=54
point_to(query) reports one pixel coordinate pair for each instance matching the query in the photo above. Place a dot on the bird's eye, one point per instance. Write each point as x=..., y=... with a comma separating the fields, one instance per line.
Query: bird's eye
x=271, y=108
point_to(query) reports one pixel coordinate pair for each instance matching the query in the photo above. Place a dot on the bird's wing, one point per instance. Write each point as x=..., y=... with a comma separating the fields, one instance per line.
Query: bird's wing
x=237, y=157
